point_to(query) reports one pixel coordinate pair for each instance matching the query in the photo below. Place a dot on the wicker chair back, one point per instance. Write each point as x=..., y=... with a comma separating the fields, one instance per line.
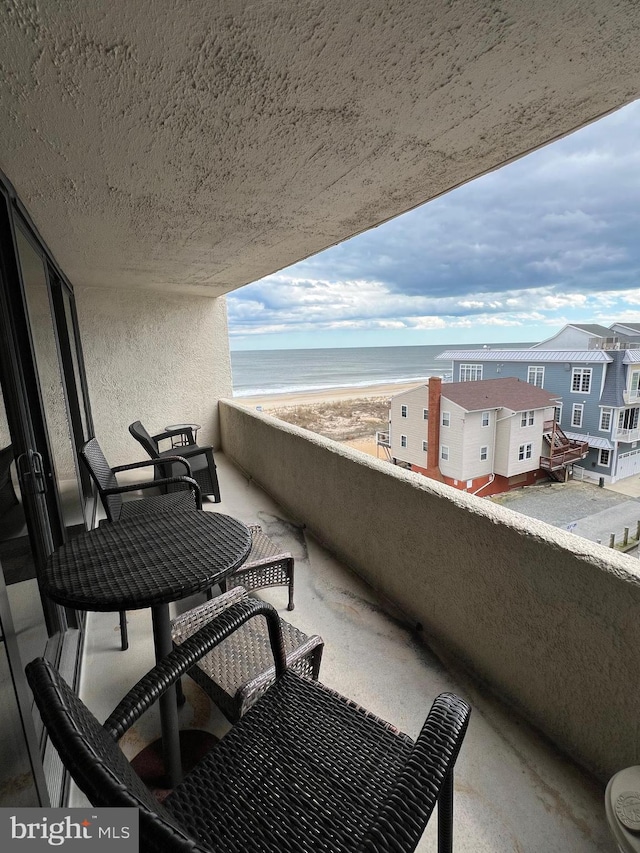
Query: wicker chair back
x=96, y=761
x=147, y=441
x=102, y=475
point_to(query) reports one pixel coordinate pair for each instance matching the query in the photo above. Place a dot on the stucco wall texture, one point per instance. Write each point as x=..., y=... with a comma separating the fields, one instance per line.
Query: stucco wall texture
x=200, y=146
x=158, y=358
x=548, y=620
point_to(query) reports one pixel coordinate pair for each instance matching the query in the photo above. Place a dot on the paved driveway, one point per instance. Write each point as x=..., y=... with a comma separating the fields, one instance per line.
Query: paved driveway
x=584, y=508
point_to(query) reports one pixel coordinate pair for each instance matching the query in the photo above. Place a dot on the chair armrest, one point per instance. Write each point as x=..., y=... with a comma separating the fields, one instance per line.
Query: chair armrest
x=148, y=462
x=428, y=771
x=169, y=433
x=153, y=484
x=167, y=671
x=188, y=450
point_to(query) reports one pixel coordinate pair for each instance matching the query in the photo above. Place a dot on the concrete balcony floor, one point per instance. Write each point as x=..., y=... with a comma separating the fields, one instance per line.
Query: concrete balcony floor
x=514, y=793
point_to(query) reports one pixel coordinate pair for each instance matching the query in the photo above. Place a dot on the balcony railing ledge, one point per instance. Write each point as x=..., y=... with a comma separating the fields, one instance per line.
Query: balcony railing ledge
x=534, y=611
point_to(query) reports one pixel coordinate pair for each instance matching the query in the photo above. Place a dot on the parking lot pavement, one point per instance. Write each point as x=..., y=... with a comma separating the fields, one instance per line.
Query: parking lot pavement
x=583, y=508
x=629, y=486
x=601, y=525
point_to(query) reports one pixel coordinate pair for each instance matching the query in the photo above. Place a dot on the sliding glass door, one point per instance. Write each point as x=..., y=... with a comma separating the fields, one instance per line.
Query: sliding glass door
x=64, y=492
x=44, y=496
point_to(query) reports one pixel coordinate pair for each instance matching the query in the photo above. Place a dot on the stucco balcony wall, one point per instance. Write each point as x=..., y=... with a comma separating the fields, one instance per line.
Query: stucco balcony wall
x=548, y=620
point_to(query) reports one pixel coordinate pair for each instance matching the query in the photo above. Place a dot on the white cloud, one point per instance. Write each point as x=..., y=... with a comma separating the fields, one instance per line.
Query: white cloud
x=633, y=297
x=552, y=302
x=310, y=305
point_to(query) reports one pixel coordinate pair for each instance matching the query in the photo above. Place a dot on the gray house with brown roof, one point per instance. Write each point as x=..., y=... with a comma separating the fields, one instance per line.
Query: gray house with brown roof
x=594, y=371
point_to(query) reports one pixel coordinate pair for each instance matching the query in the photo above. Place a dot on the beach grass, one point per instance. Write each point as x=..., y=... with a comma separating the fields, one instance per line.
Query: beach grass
x=340, y=420
x=350, y=415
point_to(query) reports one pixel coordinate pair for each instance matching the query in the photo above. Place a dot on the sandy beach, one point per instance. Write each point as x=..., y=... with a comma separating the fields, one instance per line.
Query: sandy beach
x=351, y=416
x=328, y=395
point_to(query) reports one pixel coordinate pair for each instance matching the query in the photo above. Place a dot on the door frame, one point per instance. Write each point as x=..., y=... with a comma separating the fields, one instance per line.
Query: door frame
x=24, y=405
x=28, y=429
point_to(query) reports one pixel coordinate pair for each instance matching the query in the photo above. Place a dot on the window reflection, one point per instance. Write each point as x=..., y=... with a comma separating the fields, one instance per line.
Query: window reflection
x=25, y=635
x=48, y=367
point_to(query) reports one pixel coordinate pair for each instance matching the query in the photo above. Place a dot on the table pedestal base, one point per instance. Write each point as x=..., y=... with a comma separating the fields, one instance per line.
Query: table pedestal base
x=149, y=764
x=168, y=702
x=622, y=807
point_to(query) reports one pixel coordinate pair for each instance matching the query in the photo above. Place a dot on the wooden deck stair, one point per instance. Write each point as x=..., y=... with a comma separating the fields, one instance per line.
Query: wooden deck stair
x=563, y=451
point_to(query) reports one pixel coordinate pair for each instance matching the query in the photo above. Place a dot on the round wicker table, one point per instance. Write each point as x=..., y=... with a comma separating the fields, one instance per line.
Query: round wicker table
x=148, y=561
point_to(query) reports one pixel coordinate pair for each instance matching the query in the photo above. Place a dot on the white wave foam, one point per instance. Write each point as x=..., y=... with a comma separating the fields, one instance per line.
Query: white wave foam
x=304, y=389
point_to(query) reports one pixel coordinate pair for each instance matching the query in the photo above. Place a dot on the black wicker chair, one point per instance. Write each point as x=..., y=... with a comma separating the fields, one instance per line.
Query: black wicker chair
x=267, y=565
x=186, y=496
x=240, y=669
x=203, y=466
x=304, y=770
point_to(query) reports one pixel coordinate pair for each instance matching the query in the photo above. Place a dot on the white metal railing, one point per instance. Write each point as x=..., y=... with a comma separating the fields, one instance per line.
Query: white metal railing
x=611, y=344
x=628, y=434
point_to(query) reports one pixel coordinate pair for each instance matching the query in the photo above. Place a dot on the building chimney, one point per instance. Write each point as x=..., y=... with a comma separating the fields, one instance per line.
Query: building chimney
x=433, y=431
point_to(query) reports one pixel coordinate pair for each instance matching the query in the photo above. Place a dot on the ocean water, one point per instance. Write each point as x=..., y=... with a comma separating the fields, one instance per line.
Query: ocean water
x=298, y=370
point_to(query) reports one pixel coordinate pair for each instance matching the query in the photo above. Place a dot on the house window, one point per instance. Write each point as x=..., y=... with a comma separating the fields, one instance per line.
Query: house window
x=403, y=411
x=525, y=451
x=603, y=458
x=425, y=414
x=527, y=418
x=470, y=372
x=444, y=451
x=576, y=415
x=425, y=446
x=557, y=413
x=628, y=419
x=605, y=419
x=446, y=419
x=484, y=452
x=403, y=441
x=635, y=381
x=535, y=376
x=485, y=419
x=581, y=380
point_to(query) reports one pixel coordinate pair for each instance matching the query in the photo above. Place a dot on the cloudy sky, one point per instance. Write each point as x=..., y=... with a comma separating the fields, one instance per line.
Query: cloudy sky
x=550, y=239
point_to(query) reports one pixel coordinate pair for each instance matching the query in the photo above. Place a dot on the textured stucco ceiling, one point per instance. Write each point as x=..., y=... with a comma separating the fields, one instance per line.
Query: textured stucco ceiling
x=192, y=145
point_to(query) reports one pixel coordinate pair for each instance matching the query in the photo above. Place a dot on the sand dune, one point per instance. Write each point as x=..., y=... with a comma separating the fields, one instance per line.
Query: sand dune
x=348, y=415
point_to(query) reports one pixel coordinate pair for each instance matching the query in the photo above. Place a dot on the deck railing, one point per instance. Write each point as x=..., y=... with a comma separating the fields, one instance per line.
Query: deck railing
x=613, y=343
x=628, y=435
x=576, y=450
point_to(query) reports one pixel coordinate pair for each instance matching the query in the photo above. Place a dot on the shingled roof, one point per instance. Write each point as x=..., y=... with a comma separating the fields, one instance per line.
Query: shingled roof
x=593, y=329
x=508, y=393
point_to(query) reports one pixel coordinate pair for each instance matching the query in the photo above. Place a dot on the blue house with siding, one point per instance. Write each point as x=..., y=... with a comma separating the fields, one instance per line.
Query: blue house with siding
x=594, y=371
